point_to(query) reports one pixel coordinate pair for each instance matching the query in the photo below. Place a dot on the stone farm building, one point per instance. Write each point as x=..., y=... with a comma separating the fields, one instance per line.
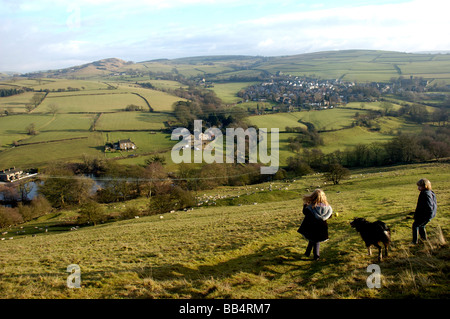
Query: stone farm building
x=10, y=175
x=122, y=145
x=125, y=145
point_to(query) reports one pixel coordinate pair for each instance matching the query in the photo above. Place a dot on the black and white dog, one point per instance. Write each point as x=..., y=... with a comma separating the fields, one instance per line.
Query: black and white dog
x=373, y=234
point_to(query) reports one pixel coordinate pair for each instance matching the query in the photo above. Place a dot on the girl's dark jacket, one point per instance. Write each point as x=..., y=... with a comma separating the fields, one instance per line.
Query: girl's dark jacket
x=314, y=226
x=426, y=206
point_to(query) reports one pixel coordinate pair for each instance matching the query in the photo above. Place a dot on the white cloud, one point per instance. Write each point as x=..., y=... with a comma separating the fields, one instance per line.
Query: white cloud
x=265, y=43
x=146, y=29
x=70, y=47
x=416, y=25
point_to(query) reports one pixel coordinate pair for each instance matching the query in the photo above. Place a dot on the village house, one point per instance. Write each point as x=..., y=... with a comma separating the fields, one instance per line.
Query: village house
x=205, y=138
x=10, y=175
x=121, y=145
x=125, y=145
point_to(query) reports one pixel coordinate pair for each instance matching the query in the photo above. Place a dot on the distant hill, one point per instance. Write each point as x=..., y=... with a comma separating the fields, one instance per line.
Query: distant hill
x=96, y=68
x=347, y=65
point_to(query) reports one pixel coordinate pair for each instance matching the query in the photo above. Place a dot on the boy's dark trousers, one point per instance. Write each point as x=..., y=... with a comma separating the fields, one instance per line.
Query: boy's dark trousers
x=419, y=227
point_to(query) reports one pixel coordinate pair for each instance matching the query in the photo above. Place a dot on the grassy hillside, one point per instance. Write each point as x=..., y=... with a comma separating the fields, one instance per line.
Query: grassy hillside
x=251, y=250
x=363, y=65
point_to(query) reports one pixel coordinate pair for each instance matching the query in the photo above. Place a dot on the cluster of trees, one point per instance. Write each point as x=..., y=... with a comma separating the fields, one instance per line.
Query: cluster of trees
x=13, y=91
x=431, y=144
x=146, y=85
x=36, y=99
x=24, y=211
x=133, y=108
x=367, y=120
x=360, y=92
x=417, y=113
x=308, y=137
x=205, y=105
x=31, y=129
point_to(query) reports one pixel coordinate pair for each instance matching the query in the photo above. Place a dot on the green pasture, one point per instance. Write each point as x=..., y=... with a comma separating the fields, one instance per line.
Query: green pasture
x=343, y=139
x=55, y=84
x=13, y=127
x=350, y=137
x=279, y=120
x=145, y=142
x=41, y=154
x=360, y=65
x=330, y=119
x=165, y=84
x=16, y=103
x=105, y=102
x=376, y=106
x=227, y=92
x=215, y=68
x=252, y=251
x=184, y=69
x=132, y=121
x=158, y=100
x=426, y=67
x=249, y=73
x=49, y=127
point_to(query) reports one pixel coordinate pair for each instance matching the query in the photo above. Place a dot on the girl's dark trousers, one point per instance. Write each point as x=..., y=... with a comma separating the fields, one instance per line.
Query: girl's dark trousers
x=315, y=247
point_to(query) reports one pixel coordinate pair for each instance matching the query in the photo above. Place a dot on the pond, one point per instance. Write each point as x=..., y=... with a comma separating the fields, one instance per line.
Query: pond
x=34, y=189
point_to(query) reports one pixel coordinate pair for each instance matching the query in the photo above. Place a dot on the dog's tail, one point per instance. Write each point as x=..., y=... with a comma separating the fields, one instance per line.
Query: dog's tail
x=385, y=228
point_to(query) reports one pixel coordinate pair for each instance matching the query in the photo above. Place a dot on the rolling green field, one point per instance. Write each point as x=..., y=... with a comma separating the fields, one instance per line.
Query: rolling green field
x=145, y=141
x=91, y=91
x=95, y=103
x=45, y=153
x=69, y=130
x=50, y=127
x=247, y=251
x=16, y=103
x=133, y=121
x=362, y=66
x=331, y=119
x=338, y=135
x=227, y=91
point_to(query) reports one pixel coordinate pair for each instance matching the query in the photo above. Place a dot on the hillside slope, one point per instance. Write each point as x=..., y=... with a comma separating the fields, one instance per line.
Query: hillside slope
x=248, y=251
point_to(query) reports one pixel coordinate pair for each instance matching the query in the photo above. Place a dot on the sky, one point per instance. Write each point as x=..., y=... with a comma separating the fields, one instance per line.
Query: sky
x=51, y=34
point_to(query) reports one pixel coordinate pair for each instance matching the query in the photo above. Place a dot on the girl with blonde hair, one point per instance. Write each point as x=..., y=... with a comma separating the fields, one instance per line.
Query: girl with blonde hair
x=314, y=226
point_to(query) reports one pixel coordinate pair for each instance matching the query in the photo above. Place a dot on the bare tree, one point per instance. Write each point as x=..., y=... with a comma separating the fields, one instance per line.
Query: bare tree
x=31, y=129
x=53, y=109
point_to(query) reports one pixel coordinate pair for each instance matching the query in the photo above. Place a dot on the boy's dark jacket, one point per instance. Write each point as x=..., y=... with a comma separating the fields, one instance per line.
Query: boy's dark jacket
x=426, y=206
x=314, y=226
